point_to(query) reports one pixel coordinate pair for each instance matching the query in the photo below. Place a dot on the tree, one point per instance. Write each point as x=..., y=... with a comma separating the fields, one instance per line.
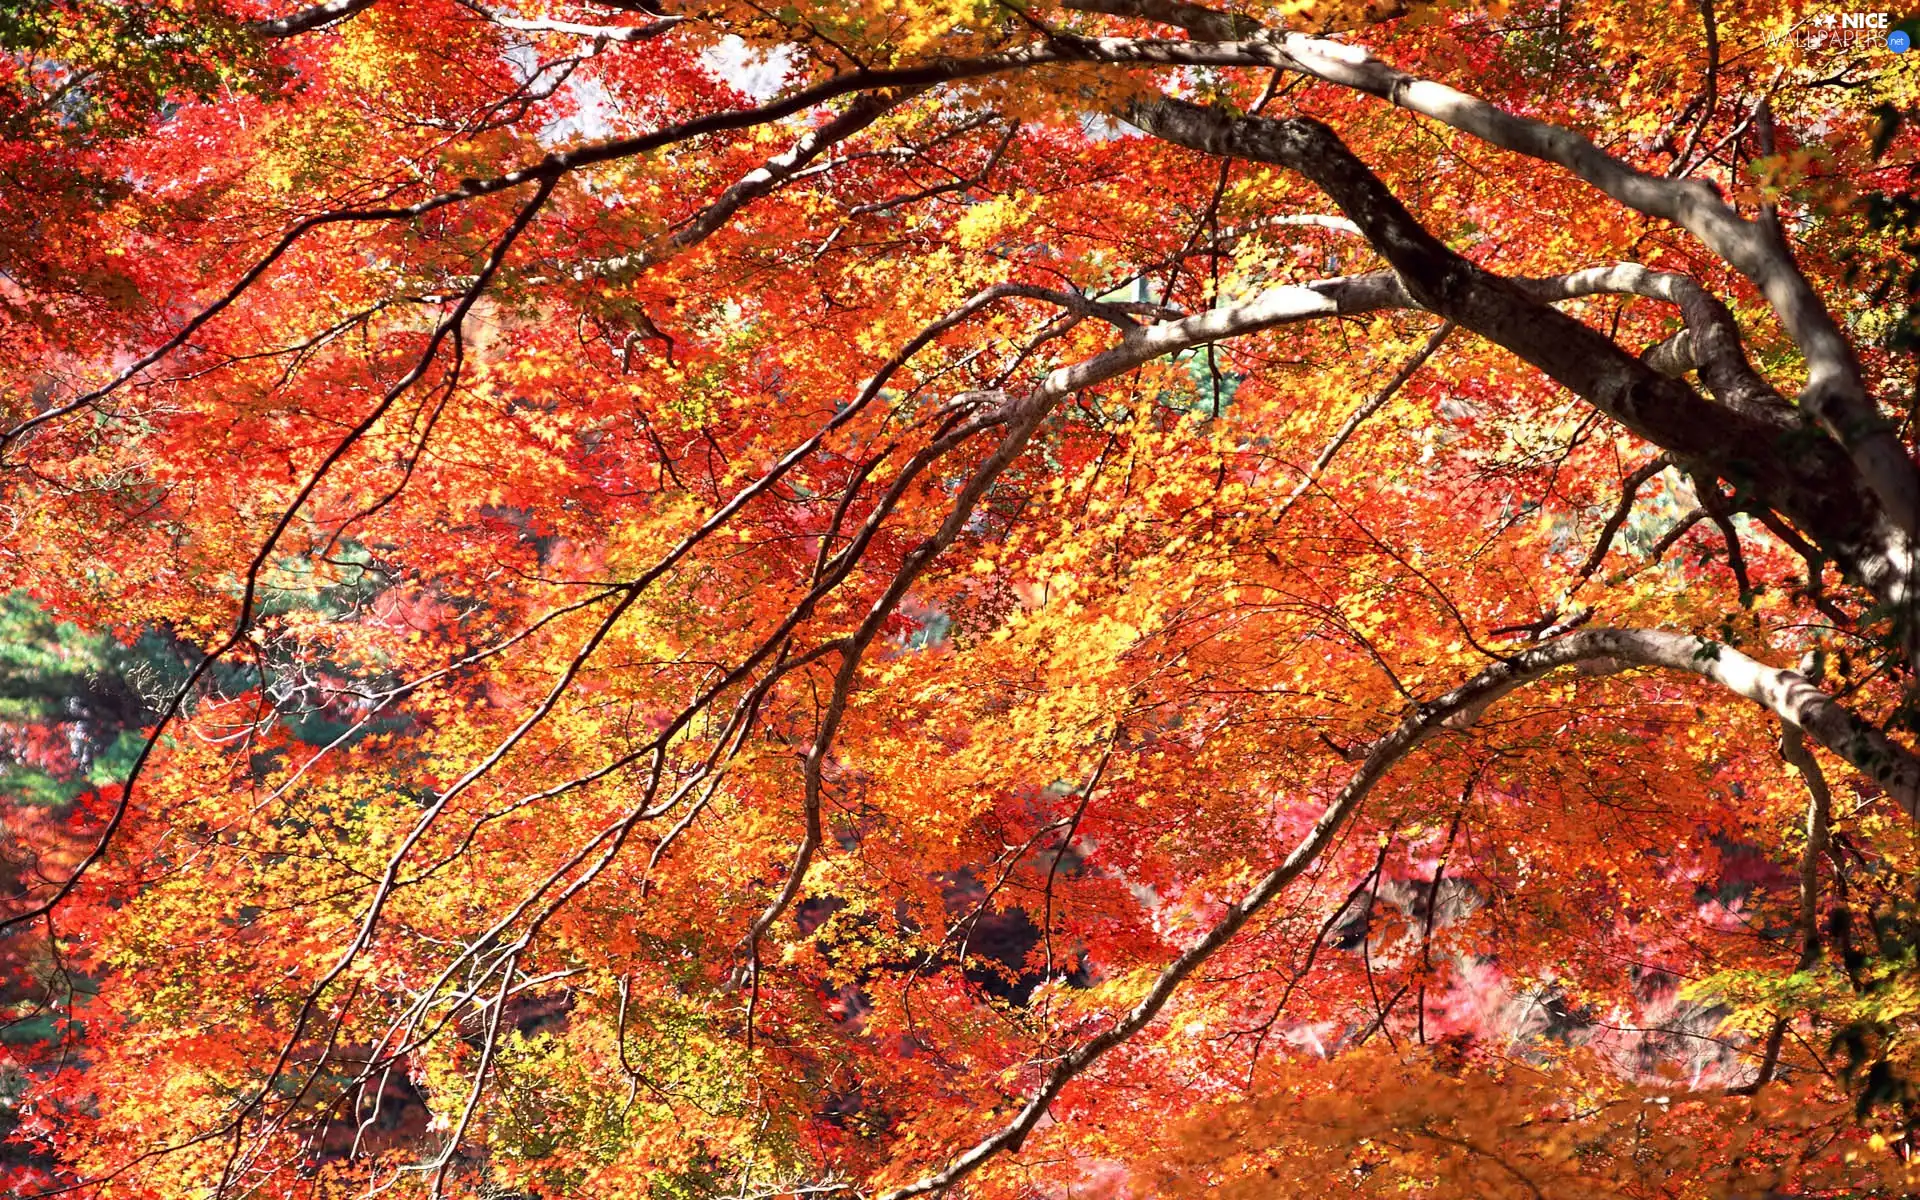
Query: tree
x=879, y=598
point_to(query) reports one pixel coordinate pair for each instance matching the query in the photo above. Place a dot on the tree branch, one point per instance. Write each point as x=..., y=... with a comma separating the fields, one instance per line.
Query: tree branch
x=1835, y=394
x=1806, y=477
x=1787, y=694
x=1629, y=490
x=308, y=19
x=1793, y=749
x=1204, y=23
x=1713, y=344
x=610, y=33
x=1368, y=407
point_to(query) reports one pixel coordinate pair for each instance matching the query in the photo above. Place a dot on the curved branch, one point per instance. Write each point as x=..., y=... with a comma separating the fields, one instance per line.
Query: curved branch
x=1629, y=491
x=1786, y=693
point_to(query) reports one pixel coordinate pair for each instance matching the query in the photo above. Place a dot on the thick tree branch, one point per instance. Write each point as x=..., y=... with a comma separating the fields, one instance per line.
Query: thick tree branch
x=1713, y=344
x=1797, y=471
x=1204, y=23
x=1835, y=395
x=308, y=19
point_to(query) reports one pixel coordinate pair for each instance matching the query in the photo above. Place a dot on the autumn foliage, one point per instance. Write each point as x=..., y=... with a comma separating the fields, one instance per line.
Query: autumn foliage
x=878, y=597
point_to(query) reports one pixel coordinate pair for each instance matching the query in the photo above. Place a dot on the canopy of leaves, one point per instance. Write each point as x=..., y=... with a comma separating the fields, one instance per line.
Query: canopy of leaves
x=629, y=599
